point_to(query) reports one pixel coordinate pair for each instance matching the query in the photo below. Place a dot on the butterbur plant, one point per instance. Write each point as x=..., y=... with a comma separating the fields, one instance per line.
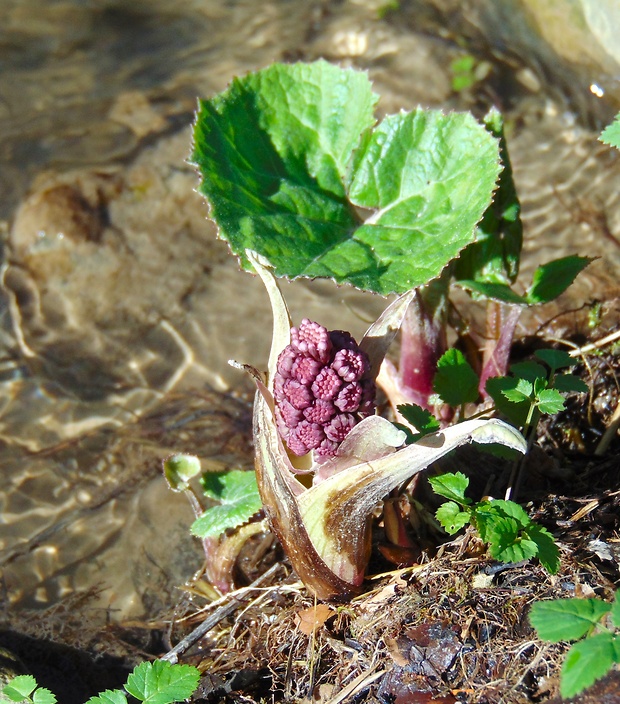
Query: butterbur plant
x=303, y=181
x=325, y=529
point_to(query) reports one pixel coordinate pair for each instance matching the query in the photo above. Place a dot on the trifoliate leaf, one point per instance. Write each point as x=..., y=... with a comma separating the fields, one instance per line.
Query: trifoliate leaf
x=566, y=619
x=288, y=158
x=611, y=133
x=528, y=370
x=455, y=381
x=239, y=499
x=110, y=696
x=451, y=518
x=586, y=662
x=556, y=359
x=550, y=401
x=515, y=411
x=20, y=687
x=160, y=682
x=451, y=486
x=520, y=390
x=568, y=383
x=552, y=279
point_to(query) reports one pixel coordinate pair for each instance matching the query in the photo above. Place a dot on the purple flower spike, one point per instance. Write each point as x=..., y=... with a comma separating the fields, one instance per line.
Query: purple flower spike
x=321, y=389
x=286, y=360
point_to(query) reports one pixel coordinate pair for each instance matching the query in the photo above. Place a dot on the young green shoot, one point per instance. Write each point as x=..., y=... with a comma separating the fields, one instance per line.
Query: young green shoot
x=510, y=534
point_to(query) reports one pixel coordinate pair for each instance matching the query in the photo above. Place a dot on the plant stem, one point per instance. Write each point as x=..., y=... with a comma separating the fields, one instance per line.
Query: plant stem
x=423, y=341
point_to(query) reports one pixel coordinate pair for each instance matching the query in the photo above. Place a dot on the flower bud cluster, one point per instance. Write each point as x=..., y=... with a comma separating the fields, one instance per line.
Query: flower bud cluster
x=322, y=388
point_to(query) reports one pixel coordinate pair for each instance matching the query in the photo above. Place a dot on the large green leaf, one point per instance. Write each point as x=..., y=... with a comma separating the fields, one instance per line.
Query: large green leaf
x=293, y=171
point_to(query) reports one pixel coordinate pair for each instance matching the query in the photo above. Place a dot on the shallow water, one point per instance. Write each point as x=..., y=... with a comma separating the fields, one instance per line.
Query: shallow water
x=120, y=308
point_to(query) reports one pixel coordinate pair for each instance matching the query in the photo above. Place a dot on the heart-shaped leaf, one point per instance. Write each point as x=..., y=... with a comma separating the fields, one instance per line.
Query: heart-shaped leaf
x=294, y=170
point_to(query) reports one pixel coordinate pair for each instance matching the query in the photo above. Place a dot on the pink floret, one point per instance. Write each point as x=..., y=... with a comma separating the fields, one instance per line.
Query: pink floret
x=297, y=394
x=339, y=427
x=305, y=436
x=351, y=365
x=312, y=339
x=349, y=397
x=286, y=360
x=305, y=369
x=326, y=385
x=327, y=448
x=290, y=415
x=320, y=411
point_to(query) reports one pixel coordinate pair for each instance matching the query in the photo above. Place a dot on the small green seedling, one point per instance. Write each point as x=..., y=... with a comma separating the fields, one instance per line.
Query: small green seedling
x=237, y=493
x=510, y=533
x=467, y=71
x=533, y=389
x=157, y=682
x=594, y=624
x=24, y=688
